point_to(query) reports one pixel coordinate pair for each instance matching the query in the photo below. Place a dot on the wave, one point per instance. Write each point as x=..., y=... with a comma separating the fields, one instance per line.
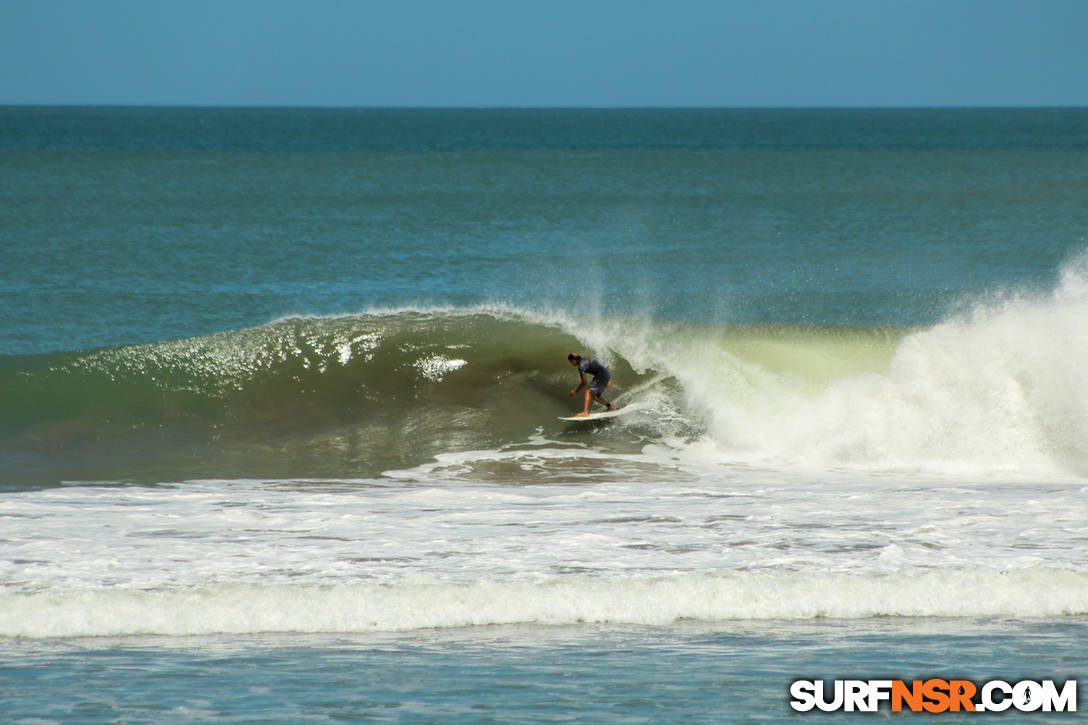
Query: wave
x=997, y=390
x=651, y=600
x=324, y=395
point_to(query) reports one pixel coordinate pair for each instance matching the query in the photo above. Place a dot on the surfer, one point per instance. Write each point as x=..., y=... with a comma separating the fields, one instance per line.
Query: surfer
x=601, y=379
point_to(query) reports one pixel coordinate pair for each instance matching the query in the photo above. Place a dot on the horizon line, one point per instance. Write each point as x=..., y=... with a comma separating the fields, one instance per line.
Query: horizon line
x=212, y=106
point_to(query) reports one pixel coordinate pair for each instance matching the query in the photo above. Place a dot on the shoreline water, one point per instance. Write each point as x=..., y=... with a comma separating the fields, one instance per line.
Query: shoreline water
x=598, y=674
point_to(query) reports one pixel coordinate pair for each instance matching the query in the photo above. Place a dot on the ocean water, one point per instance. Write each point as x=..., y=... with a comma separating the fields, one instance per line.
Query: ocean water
x=280, y=388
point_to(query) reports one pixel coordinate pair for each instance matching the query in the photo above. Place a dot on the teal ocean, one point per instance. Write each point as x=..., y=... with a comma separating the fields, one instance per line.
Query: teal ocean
x=280, y=389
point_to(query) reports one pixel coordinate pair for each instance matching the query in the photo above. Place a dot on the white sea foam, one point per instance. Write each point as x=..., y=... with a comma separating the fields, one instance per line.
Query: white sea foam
x=645, y=600
x=998, y=391
x=428, y=550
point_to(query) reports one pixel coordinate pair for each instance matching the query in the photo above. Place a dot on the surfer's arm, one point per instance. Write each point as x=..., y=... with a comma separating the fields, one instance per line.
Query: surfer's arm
x=580, y=385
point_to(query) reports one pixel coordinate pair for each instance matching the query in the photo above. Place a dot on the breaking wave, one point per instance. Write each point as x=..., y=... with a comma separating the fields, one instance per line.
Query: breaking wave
x=996, y=390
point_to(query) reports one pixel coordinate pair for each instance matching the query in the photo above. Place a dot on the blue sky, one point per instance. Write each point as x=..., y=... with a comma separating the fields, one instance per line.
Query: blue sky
x=546, y=53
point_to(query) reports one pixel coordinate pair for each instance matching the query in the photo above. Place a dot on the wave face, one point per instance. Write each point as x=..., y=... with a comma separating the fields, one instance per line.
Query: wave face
x=997, y=390
x=342, y=395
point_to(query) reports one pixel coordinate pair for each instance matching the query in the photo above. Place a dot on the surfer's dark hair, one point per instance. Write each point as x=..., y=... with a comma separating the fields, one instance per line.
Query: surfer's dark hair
x=574, y=356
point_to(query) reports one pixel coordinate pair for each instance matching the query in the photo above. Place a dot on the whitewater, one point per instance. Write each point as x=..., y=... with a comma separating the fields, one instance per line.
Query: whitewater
x=207, y=557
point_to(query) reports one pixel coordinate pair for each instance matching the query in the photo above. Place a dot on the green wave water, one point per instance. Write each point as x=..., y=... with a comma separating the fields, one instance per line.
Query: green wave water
x=357, y=395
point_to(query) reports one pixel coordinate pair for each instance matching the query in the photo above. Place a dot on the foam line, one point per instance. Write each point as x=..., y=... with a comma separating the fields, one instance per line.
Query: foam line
x=642, y=600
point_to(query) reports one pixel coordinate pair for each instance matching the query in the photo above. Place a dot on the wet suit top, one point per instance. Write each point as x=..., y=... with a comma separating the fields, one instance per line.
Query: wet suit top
x=600, y=374
x=594, y=368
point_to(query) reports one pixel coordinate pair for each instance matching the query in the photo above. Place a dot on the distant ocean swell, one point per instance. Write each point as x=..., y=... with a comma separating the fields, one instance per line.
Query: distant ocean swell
x=427, y=602
x=997, y=390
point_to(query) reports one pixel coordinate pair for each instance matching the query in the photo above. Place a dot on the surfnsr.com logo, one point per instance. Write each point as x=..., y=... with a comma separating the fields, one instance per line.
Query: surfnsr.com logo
x=933, y=695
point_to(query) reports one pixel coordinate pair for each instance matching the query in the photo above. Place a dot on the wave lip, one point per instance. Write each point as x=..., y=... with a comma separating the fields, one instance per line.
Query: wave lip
x=426, y=603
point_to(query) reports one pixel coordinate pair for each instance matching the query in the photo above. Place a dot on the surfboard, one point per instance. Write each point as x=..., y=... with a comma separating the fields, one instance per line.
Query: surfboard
x=596, y=416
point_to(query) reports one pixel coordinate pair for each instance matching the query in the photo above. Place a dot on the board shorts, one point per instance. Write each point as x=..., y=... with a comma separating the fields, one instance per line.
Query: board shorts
x=598, y=384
